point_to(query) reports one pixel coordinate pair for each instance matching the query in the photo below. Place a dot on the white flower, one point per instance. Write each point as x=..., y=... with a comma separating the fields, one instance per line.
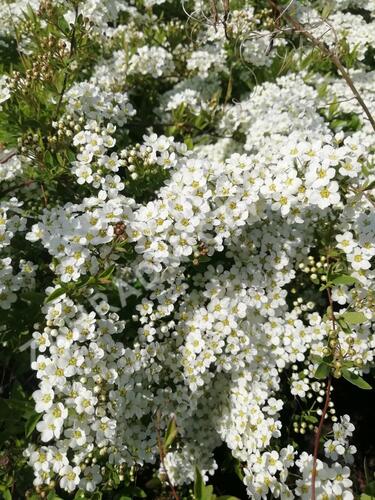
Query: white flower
x=325, y=196
x=70, y=477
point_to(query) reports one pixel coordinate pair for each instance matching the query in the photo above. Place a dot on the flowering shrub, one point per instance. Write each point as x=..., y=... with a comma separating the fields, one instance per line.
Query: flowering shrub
x=187, y=239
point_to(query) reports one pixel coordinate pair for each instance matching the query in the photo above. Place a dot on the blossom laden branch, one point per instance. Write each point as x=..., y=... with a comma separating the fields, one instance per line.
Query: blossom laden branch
x=332, y=56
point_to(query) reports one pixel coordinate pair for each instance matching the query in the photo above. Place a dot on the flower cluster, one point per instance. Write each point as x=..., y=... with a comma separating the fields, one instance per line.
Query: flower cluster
x=241, y=225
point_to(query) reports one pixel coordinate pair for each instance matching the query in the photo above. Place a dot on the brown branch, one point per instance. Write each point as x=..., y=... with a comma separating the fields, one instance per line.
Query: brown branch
x=298, y=27
x=225, y=18
x=215, y=15
x=318, y=434
x=7, y=158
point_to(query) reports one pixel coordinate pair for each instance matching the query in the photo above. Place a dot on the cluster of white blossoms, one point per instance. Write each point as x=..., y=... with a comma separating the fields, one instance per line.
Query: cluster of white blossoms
x=229, y=257
x=339, y=445
x=10, y=165
x=4, y=89
x=268, y=473
x=13, y=276
x=152, y=61
x=231, y=334
x=342, y=27
x=93, y=162
x=88, y=100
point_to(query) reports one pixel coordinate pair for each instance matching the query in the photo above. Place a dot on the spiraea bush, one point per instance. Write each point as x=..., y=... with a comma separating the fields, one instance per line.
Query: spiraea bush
x=187, y=237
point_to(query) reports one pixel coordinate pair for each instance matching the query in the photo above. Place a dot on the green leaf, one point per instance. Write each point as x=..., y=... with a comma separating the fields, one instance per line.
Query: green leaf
x=311, y=419
x=52, y=495
x=153, y=484
x=227, y=497
x=201, y=491
x=344, y=279
x=366, y=497
x=344, y=325
x=80, y=495
x=97, y=496
x=355, y=379
x=6, y=494
x=199, y=485
x=327, y=9
x=31, y=423
x=370, y=488
x=238, y=470
x=131, y=492
x=369, y=187
x=170, y=434
x=107, y=272
x=354, y=317
x=56, y=293
x=322, y=371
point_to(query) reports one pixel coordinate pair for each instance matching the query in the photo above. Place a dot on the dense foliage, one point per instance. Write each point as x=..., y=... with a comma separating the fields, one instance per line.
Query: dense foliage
x=187, y=238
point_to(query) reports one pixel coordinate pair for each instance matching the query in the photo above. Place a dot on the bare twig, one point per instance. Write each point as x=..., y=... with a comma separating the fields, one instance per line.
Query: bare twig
x=318, y=432
x=225, y=17
x=8, y=157
x=298, y=27
x=215, y=15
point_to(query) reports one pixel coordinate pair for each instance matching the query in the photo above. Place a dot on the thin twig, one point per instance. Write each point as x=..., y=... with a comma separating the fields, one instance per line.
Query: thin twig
x=71, y=52
x=7, y=158
x=45, y=199
x=214, y=13
x=298, y=27
x=317, y=438
x=318, y=432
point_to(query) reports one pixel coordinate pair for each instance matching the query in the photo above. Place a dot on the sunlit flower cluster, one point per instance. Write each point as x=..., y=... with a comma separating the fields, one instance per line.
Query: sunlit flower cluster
x=228, y=256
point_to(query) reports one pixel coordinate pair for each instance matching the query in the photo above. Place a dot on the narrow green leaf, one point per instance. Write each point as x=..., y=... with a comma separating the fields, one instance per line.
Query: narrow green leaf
x=369, y=187
x=31, y=423
x=322, y=371
x=201, y=491
x=355, y=379
x=55, y=294
x=170, y=434
x=198, y=485
x=107, y=272
x=209, y=493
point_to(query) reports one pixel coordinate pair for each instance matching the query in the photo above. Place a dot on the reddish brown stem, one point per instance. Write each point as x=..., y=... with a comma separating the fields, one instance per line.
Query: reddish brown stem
x=318, y=434
x=7, y=158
